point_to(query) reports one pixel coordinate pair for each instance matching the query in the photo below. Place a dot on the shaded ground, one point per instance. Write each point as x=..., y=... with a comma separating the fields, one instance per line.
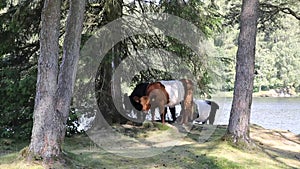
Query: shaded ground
x=171, y=147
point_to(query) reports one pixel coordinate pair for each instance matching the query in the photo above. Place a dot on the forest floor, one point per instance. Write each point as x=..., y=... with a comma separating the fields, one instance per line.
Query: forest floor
x=168, y=146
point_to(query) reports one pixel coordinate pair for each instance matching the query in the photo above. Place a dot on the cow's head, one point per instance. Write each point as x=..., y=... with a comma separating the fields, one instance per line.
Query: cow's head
x=144, y=101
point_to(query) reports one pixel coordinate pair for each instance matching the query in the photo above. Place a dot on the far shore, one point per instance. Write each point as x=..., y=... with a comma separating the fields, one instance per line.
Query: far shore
x=269, y=93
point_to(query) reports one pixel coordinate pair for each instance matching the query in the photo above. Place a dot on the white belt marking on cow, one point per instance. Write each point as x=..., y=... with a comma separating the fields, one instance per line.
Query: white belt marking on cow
x=175, y=89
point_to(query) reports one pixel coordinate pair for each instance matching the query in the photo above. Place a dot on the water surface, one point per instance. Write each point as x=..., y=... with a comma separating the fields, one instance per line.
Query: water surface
x=270, y=113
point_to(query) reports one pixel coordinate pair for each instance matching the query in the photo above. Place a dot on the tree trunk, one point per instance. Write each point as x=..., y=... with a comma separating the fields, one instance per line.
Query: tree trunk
x=104, y=95
x=53, y=96
x=44, y=140
x=116, y=84
x=68, y=67
x=109, y=86
x=238, y=129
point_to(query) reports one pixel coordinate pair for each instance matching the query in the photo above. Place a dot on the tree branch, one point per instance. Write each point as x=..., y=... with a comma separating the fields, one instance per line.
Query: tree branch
x=278, y=8
x=290, y=12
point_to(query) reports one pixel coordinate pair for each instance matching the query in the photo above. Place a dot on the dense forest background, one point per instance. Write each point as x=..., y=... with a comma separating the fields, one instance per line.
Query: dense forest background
x=277, y=49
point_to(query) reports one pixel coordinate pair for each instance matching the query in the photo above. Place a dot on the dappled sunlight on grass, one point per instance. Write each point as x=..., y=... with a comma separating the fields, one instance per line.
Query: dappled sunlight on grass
x=274, y=150
x=281, y=146
x=15, y=161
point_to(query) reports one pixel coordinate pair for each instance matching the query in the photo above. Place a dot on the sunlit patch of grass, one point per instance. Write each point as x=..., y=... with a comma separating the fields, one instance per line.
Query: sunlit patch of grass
x=8, y=158
x=251, y=159
x=15, y=161
x=81, y=152
x=178, y=157
x=161, y=126
x=21, y=165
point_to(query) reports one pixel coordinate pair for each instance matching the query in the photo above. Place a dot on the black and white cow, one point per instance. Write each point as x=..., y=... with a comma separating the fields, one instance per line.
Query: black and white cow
x=206, y=111
x=174, y=93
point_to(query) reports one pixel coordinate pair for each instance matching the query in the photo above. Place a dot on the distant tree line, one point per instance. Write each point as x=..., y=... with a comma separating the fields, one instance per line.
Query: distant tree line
x=277, y=57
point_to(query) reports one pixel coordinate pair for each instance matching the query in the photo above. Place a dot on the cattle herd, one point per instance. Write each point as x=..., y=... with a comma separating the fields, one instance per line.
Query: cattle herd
x=168, y=94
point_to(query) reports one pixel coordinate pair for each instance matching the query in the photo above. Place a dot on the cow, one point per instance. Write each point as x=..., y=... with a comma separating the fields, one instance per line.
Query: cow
x=169, y=93
x=139, y=91
x=131, y=104
x=206, y=111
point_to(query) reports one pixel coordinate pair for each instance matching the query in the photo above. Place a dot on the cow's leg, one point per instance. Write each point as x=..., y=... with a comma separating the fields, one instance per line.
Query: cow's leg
x=182, y=114
x=213, y=111
x=173, y=113
x=144, y=117
x=187, y=105
x=139, y=116
x=163, y=116
x=152, y=114
x=162, y=113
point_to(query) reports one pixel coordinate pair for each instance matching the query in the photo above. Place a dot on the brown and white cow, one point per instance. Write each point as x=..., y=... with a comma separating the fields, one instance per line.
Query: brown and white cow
x=168, y=94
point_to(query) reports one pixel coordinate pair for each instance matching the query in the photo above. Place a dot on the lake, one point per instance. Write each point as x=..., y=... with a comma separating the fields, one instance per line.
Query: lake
x=270, y=113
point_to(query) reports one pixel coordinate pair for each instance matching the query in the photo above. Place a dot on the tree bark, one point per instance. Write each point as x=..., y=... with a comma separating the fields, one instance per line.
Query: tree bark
x=54, y=92
x=238, y=129
x=109, y=86
x=44, y=140
x=68, y=67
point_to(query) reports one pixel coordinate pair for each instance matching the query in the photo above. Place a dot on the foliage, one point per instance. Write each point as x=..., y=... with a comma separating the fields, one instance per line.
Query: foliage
x=277, y=57
x=150, y=75
x=271, y=13
x=18, y=52
x=205, y=16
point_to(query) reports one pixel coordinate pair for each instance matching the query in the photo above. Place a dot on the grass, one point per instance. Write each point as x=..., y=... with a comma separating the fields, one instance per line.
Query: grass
x=11, y=156
x=275, y=150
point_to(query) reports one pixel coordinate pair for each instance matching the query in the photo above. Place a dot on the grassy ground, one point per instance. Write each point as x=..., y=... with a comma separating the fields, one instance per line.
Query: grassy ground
x=274, y=150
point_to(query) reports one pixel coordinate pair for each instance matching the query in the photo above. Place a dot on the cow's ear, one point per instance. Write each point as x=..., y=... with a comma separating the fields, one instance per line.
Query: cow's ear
x=136, y=99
